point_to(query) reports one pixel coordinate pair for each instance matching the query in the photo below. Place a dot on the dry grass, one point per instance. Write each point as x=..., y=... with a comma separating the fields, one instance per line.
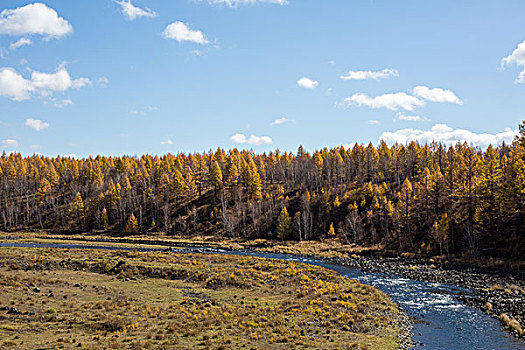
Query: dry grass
x=511, y=323
x=113, y=299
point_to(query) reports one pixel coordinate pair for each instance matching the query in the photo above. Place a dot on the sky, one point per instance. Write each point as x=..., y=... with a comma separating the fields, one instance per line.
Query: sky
x=89, y=77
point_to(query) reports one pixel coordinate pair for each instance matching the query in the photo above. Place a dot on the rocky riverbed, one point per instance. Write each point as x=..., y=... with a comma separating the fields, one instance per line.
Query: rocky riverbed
x=495, y=291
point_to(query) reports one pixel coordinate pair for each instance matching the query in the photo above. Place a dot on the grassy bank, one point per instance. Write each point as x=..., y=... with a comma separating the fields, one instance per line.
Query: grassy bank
x=114, y=299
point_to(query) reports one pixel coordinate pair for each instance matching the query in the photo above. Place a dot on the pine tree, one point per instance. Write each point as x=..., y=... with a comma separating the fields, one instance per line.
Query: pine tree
x=284, y=225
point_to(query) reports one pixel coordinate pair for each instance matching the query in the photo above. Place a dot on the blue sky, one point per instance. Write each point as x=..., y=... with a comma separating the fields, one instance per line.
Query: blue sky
x=89, y=77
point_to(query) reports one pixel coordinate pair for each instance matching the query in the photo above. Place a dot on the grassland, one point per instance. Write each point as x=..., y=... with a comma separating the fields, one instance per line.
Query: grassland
x=93, y=299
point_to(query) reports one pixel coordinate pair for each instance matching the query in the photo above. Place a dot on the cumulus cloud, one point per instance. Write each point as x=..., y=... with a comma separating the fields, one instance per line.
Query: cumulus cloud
x=393, y=101
x=14, y=86
x=19, y=43
x=235, y=3
x=33, y=19
x=374, y=122
x=280, y=121
x=36, y=124
x=252, y=140
x=366, y=75
x=436, y=95
x=517, y=57
x=307, y=83
x=166, y=142
x=133, y=12
x=181, y=32
x=238, y=138
x=411, y=118
x=18, y=88
x=443, y=133
x=9, y=143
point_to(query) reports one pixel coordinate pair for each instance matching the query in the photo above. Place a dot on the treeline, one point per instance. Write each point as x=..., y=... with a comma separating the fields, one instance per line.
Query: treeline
x=421, y=198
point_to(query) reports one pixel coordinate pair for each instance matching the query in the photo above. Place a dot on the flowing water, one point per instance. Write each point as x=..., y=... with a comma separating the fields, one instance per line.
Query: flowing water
x=442, y=322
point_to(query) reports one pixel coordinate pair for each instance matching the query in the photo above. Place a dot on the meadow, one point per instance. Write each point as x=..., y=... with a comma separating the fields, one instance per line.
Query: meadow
x=92, y=299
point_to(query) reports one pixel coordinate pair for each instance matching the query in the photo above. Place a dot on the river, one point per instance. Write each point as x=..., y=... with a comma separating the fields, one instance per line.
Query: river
x=441, y=322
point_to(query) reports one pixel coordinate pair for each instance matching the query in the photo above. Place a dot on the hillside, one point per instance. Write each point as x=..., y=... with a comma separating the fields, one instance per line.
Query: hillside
x=430, y=198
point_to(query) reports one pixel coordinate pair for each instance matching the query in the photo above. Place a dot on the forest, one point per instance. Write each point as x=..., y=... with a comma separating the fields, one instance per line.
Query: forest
x=428, y=199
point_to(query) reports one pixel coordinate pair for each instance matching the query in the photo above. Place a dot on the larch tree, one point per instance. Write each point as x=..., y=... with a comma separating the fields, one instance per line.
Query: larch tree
x=284, y=225
x=215, y=176
x=76, y=211
x=405, y=210
x=132, y=226
x=104, y=220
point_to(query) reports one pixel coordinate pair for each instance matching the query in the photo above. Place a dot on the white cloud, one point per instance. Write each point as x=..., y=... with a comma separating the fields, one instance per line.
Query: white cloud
x=436, y=95
x=166, y=142
x=442, y=133
x=517, y=57
x=133, y=12
x=9, y=143
x=253, y=140
x=34, y=18
x=19, y=43
x=365, y=75
x=307, y=83
x=18, y=88
x=235, y=3
x=63, y=103
x=280, y=121
x=410, y=118
x=374, y=122
x=238, y=138
x=259, y=140
x=181, y=32
x=58, y=81
x=14, y=86
x=103, y=82
x=144, y=111
x=393, y=101
x=36, y=124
